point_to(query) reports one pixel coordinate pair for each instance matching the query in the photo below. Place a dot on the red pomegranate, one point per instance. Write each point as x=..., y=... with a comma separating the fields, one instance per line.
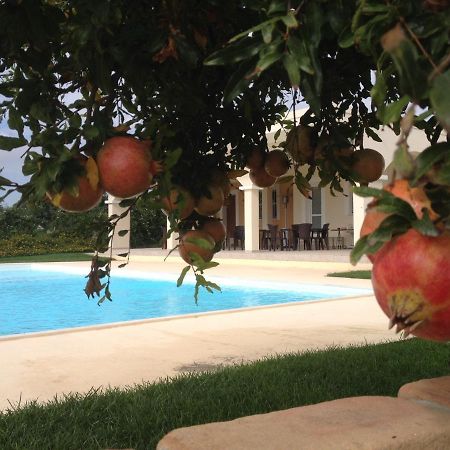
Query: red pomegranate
x=204, y=246
x=125, y=166
x=277, y=163
x=90, y=191
x=367, y=166
x=261, y=178
x=411, y=280
x=216, y=229
x=179, y=200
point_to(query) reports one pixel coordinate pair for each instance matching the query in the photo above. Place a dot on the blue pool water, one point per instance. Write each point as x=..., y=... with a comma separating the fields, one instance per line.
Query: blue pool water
x=36, y=299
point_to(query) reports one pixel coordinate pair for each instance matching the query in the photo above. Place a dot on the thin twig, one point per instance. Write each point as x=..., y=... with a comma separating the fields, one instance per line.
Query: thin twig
x=299, y=7
x=439, y=69
x=417, y=41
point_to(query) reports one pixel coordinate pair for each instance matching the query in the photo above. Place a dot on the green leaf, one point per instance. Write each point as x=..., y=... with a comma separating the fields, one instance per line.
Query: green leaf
x=276, y=7
x=122, y=232
x=440, y=99
x=429, y=157
x=425, y=225
x=289, y=20
x=292, y=69
x=346, y=38
x=359, y=250
x=5, y=182
x=366, y=191
x=269, y=58
x=403, y=162
x=267, y=32
x=373, y=135
x=75, y=121
x=254, y=29
x=182, y=275
x=125, y=203
x=234, y=53
x=299, y=50
x=394, y=205
x=15, y=121
x=238, y=81
x=210, y=265
x=201, y=242
x=172, y=158
x=9, y=143
x=392, y=112
x=285, y=179
x=91, y=132
x=123, y=255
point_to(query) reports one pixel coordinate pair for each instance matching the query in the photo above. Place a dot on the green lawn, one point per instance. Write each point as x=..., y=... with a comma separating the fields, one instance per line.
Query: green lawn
x=139, y=417
x=54, y=257
x=362, y=274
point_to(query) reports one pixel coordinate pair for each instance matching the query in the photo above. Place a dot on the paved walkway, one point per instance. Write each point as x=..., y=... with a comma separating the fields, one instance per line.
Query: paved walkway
x=47, y=364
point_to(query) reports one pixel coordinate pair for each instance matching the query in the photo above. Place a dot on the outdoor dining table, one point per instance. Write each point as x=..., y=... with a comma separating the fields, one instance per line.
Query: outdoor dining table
x=339, y=241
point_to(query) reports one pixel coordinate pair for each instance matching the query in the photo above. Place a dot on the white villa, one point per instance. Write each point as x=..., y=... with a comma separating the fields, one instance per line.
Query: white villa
x=255, y=208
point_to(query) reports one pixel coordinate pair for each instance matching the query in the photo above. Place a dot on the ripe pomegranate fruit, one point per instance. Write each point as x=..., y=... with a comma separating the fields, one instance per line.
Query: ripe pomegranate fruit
x=411, y=281
x=216, y=229
x=401, y=188
x=188, y=245
x=298, y=144
x=90, y=191
x=179, y=200
x=256, y=159
x=220, y=178
x=368, y=165
x=277, y=163
x=261, y=178
x=124, y=164
x=208, y=206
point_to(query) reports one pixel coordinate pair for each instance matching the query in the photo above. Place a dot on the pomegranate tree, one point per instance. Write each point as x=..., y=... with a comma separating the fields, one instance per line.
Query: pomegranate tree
x=411, y=281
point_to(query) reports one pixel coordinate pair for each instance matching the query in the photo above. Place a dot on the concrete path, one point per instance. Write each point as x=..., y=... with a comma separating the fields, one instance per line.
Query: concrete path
x=42, y=365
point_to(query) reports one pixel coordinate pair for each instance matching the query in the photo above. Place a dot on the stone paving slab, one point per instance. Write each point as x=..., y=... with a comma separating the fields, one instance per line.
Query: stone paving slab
x=434, y=391
x=357, y=423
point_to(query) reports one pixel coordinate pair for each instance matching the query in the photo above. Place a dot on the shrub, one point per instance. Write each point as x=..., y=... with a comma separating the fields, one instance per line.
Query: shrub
x=42, y=243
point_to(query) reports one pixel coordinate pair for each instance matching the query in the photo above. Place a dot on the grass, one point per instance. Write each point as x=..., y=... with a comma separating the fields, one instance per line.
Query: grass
x=51, y=257
x=362, y=274
x=138, y=417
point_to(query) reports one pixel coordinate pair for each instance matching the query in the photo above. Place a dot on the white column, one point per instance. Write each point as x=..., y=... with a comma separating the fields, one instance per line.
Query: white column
x=359, y=211
x=237, y=209
x=251, y=215
x=359, y=208
x=119, y=243
x=172, y=240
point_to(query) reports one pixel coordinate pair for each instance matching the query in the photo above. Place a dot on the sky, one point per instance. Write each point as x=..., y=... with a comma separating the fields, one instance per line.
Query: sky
x=11, y=164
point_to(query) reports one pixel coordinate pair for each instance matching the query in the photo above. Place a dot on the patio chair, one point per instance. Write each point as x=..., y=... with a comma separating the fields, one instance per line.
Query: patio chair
x=304, y=234
x=321, y=240
x=286, y=239
x=273, y=237
x=239, y=236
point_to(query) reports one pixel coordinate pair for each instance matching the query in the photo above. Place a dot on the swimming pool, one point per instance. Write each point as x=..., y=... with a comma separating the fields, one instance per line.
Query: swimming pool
x=41, y=298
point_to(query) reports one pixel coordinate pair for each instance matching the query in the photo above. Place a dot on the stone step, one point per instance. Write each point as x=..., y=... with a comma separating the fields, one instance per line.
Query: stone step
x=357, y=423
x=435, y=391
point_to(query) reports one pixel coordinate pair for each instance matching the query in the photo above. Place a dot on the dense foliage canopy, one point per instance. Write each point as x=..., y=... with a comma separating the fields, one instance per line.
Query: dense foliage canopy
x=204, y=80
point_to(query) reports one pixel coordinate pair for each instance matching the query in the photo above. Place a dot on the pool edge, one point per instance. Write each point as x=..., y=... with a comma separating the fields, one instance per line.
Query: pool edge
x=130, y=323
